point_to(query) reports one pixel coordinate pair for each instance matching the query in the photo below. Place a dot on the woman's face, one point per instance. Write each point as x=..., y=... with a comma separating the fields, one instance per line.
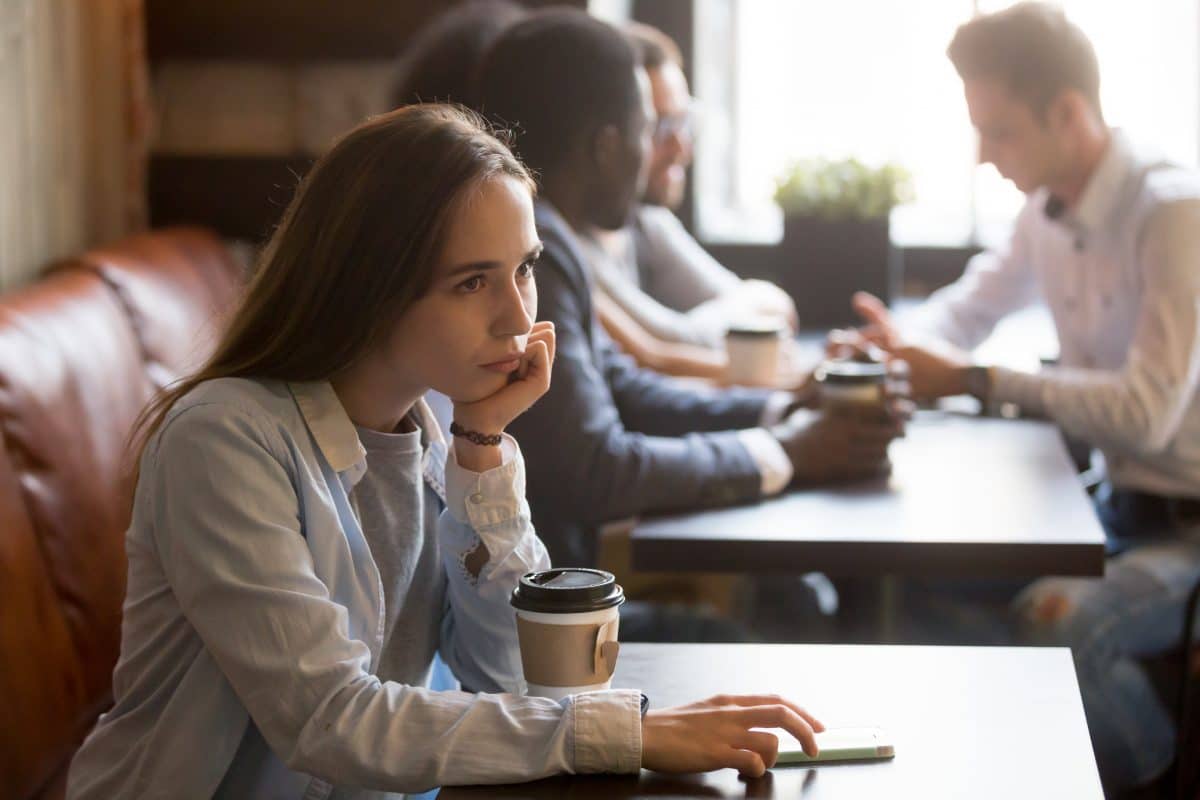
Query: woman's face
x=465, y=335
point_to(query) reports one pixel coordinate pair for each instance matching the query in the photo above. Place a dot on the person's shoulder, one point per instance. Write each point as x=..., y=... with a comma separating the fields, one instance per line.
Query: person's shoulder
x=551, y=227
x=1168, y=184
x=228, y=406
x=658, y=222
x=561, y=246
x=250, y=395
x=1158, y=180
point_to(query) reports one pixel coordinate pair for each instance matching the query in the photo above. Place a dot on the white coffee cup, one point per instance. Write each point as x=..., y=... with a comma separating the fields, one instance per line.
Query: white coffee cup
x=753, y=350
x=568, y=622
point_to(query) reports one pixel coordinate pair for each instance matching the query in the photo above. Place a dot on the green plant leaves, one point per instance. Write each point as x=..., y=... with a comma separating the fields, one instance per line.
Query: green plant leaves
x=841, y=189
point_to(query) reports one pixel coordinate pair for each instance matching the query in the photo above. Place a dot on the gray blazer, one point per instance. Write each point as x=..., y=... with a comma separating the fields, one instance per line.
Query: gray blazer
x=610, y=440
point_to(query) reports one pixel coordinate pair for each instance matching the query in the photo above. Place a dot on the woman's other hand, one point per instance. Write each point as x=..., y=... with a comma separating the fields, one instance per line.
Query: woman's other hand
x=722, y=731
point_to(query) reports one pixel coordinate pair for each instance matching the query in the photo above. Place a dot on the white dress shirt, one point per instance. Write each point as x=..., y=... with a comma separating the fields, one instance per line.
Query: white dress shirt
x=1120, y=273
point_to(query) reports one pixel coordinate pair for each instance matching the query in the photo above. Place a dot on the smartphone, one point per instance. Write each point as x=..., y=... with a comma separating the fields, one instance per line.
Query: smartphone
x=838, y=744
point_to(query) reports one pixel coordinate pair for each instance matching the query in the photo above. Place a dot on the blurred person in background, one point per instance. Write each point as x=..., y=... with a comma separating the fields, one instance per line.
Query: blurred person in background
x=438, y=63
x=615, y=441
x=1109, y=239
x=659, y=294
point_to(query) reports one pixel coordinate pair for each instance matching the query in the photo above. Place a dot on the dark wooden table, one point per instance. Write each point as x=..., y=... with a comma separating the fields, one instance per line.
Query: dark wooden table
x=968, y=496
x=967, y=722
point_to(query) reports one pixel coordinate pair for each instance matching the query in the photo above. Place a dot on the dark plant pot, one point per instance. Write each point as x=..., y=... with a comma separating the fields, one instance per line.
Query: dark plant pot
x=823, y=262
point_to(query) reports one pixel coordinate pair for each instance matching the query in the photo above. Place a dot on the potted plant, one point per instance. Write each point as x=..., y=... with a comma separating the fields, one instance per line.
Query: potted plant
x=836, y=235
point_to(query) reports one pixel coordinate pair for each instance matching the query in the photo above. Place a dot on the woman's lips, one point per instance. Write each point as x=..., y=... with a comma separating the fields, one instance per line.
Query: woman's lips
x=503, y=367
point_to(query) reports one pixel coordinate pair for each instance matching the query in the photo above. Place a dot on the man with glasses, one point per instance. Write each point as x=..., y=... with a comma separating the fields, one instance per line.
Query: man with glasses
x=653, y=269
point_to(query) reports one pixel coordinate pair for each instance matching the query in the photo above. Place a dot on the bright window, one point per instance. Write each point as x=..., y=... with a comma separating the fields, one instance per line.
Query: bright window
x=784, y=79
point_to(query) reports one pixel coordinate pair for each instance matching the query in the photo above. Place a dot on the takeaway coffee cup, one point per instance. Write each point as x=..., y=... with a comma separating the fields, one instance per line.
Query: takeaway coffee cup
x=753, y=350
x=852, y=384
x=567, y=622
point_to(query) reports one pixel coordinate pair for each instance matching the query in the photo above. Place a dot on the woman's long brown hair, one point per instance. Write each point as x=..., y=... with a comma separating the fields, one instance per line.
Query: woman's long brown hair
x=356, y=246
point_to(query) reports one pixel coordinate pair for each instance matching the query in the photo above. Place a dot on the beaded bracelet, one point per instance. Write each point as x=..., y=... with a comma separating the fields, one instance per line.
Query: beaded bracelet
x=475, y=437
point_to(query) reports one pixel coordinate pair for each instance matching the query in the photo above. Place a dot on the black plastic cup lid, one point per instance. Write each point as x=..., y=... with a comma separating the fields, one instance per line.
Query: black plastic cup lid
x=755, y=330
x=569, y=590
x=855, y=373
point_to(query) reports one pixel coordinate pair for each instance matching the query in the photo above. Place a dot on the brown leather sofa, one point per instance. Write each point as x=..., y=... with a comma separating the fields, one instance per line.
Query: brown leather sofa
x=81, y=352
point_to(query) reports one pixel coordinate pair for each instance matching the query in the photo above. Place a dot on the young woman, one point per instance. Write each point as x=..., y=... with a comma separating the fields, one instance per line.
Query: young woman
x=303, y=541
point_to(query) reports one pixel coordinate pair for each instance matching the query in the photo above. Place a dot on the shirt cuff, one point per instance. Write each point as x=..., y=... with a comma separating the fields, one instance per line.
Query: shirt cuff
x=608, y=731
x=485, y=499
x=1022, y=388
x=774, y=466
x=775, y=407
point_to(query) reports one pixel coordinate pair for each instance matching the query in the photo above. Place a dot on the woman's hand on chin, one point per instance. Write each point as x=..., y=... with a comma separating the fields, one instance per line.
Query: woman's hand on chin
x=492, y=414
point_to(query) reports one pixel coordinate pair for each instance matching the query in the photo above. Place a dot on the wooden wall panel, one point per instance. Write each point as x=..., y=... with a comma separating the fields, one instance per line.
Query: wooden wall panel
x=240, y=197
x=290, y=30
x=244, y=196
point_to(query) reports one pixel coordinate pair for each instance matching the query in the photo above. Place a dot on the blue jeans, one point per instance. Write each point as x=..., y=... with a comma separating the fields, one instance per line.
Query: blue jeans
x=1135, y=611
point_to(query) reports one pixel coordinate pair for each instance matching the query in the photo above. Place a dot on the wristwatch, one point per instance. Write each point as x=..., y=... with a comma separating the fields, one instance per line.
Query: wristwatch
x=979, y=382
x=645, y=704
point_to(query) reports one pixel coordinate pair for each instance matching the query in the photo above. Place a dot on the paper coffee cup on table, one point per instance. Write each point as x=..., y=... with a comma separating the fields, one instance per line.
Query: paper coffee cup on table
x=567, y=623
x=753, y=350
x=852, y=384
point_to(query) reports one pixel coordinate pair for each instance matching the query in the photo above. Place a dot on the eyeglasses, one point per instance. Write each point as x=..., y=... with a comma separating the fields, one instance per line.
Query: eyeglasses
x=681, y=123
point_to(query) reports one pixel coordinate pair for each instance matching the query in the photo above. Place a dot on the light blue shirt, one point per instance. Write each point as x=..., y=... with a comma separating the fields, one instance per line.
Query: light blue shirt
x=254, y=608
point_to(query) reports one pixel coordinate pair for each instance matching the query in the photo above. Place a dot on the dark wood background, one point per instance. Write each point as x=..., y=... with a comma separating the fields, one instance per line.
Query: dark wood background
x=244, y=196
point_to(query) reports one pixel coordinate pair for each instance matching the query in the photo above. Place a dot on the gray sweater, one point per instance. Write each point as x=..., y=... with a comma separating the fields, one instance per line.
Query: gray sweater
x=398, y=512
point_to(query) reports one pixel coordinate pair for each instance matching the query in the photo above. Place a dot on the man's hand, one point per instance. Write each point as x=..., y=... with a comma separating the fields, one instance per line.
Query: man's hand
x=935, y=369
x=767, y=298
x=879, y=329
x=838, y=444
x=870, y=342
x=722, y=732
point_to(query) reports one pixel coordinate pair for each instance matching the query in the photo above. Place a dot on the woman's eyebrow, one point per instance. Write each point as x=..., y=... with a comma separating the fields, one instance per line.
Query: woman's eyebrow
x=474, y=266
x=483, y=266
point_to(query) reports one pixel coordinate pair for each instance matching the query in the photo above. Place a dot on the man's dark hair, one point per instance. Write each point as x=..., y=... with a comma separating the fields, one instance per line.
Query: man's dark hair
x=438, y=64
x=655, y=47
x=1033, y=49
x=556, y=78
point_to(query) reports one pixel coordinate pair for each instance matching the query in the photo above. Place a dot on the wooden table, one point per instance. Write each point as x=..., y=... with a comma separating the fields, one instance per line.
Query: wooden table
x=966, y=722
x=968, y=496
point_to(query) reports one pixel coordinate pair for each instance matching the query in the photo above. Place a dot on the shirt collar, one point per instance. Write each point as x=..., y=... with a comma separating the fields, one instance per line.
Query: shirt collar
x=1103, y=190
x=335, y=435
x=329, y=424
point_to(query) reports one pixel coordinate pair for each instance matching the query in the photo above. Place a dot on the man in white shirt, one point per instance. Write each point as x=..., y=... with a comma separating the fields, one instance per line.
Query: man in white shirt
x=1109, y=239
